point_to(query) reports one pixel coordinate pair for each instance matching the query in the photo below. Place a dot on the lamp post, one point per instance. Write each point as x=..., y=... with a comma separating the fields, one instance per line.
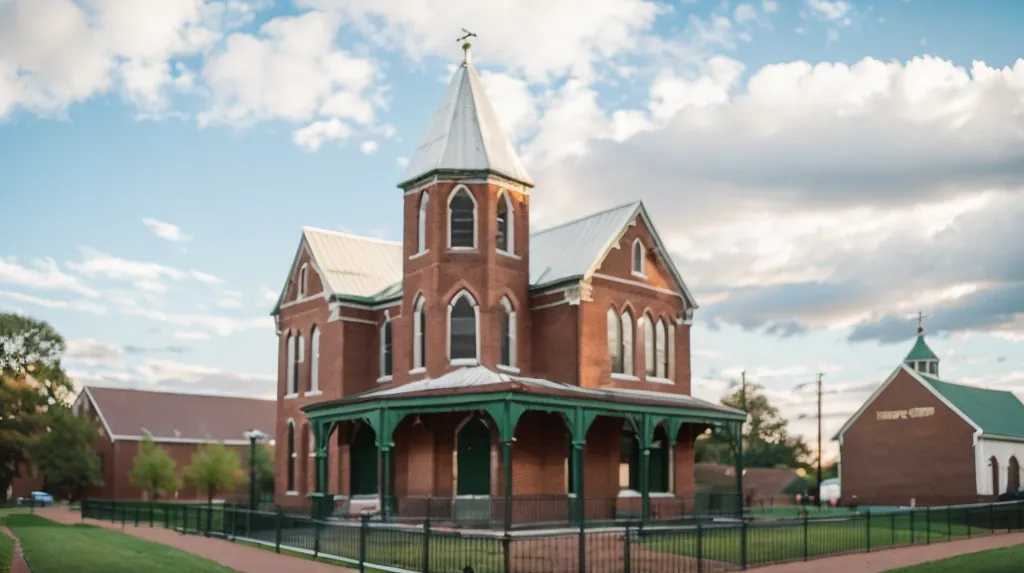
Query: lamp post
x=253, y=436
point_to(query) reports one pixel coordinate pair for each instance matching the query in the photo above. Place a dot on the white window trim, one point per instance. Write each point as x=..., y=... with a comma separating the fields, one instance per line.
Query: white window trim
x=510, y=217
x=419, y=254
x=294, y=456
x=384, y=379
x=448, y=338
x=642, y=273
x=660, y=335
x=384, y=376
x=509, y=369
x=650, y=348
x=314, y=366
x=628, y=368
x=419, y=370
x=303, y=289
x=418, y=316
x=508, y=308
x=290, y=382
x=476, y=219
x=421, y=223
x=314, y=393
x=659, y=380
x=610, y=314
x=626, y=377
x=671, y=349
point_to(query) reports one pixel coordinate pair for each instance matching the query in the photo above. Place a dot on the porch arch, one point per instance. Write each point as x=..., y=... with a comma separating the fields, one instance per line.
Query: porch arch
x=473, y=457
x=363, y=460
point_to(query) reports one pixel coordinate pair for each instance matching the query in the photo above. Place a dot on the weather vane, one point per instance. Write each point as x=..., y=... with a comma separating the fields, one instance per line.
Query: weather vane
x=466, y=44
x=920, y=321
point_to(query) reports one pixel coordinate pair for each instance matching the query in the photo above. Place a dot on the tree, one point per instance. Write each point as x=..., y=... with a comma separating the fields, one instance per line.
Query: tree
x=215, y=469
x=63, y=453
x=766, y=441
x=154, y=470
x=31, y=381
x=264, y=468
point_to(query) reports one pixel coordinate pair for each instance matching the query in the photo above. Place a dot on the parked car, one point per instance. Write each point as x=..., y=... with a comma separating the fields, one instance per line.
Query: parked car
x=36, y=499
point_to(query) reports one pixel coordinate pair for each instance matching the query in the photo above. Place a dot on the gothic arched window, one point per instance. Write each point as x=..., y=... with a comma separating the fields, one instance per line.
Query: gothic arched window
x=461, y=219
x=508, y=333
x=419, y=349
x=463, y=325
x=506, y=237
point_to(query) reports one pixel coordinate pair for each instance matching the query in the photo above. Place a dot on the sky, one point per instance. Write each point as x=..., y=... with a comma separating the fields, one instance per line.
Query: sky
x=820, y=170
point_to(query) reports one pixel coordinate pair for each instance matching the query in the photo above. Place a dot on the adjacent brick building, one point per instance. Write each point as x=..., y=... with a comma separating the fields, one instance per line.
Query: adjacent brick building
x=921, y=440
x=478, y=359
x=179, y=423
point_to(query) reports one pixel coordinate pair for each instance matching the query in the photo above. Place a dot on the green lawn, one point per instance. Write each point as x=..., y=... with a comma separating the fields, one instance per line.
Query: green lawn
x=1005, y=560
x=53, y=548
x=6, y=548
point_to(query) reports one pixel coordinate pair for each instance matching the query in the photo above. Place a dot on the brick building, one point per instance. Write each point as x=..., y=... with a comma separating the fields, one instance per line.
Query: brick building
x=179, y=423
x=921, y=440
x=477, y=360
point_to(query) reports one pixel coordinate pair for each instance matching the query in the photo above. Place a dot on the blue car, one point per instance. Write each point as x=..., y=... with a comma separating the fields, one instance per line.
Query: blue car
x=36, y=499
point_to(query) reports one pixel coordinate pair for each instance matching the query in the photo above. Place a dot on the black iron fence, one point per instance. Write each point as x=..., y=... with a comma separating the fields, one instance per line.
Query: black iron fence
x=630, y=547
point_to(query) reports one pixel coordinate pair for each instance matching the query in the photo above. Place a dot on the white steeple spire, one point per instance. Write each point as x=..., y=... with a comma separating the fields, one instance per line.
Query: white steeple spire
x=465, y=137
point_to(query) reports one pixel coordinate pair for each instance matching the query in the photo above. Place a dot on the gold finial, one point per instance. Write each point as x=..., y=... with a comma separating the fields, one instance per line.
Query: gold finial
x=920, y=322
x=466, y=45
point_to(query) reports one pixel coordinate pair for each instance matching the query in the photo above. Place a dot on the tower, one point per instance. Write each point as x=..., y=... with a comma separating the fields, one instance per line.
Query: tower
x=921, y=358
x=466, y=238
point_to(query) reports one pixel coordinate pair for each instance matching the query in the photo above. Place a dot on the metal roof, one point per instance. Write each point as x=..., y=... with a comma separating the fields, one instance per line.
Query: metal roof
x=571, y=249
x=353, y=265
x=996, y=412
x=921, y=351
x=465, y=136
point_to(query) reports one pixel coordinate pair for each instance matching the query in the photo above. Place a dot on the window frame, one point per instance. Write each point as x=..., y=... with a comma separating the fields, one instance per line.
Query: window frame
x=660, y=350
x=476, y=219
x=314, y=364
x=292, y=456
x=303, y=287
x=628, y=351
x=638, y=270
x=504, y=199
x=386, y=350
x=291, y=388
x=508, y=333
x=650, y=350
x=614, y=345
x=476, y=326
x=419, y=345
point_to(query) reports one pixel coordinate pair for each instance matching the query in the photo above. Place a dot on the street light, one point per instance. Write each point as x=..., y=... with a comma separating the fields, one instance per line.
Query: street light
x=253, y=436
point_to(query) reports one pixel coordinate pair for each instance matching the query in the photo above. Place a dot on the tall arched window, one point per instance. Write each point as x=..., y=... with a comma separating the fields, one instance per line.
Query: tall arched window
x=995, y=474
x=638, y=258
x=661, y=356
x=300, y=357
x=627, y=343
x=314, y=364
x=421, y=231
x=506, y=225
x=419, y=349
x=508, y=333
x=1012, y=475
x=463, y=324
x=649, y=361
x=291, y=455
x=303, y=281
x=615, y=341
x=385, y=349
x=461, y=219
x=671, y=350
x=290, y=365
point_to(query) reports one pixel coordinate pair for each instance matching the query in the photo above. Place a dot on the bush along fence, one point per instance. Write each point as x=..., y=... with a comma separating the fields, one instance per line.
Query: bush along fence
x=707, y=546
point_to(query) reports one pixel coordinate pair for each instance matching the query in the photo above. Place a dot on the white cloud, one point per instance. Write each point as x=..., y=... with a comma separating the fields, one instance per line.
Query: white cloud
x=315, y=134
x=369, y=147
x=177, y=376
x=92, y=352
x=769, y=6
x=745, y=13
x=145, y=276
x=230, y=299
x=42, y=274
x=75, y=305
x=831, y=36
x=205, y=277
x=211, y=323
x=190, y=335
x=830, y=10
x=166, y=231
x=402, y=161
x=513, y=102
x=268, y=295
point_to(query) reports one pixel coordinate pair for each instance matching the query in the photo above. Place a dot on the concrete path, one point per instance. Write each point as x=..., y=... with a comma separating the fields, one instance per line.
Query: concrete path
x=18, y=564
x=242, y=558
x=877, y=562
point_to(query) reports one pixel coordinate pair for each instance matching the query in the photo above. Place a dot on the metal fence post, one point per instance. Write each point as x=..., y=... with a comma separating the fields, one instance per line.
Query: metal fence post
x=316, y=538
x=806, y=537
x=967, y=518
x=911, y=526
x=506, y=550
x=277, y=530
x=184, y=519
x=928, y=525
x=426, y=545
x=627, y=561
x=362, y=542
x=1020, y=515
x=700, y=548
x=234, y=522
x=151, y=514
x=582, y=547
x=867, y=519
x=113, y=510
x=991, y=518
x=949, y=524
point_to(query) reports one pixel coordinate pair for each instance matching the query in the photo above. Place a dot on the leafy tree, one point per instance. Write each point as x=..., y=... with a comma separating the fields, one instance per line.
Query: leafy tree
x=63, y=453
x=264, y=468
x=31, y=381
x=154, y=470
x=215, y=469
x=766, y=441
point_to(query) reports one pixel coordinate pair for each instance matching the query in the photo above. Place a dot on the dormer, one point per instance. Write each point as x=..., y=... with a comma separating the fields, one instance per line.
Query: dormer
x=921, y=358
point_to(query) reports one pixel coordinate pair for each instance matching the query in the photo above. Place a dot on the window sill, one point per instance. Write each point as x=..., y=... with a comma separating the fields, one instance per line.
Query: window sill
x=511, y=369
x=461, y=249
x=639, y=275
x=293, y=493
x=509, y=255
x=290, y=396
x=464, y=362
x=420, y=370
x=635, y=493
x=627, y=377
x=660, y=380
x=314, y=393
x=419, y=254
x=384, y=379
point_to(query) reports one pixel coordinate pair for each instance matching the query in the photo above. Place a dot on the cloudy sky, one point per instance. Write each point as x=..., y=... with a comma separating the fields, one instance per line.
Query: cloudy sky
x=821, y=170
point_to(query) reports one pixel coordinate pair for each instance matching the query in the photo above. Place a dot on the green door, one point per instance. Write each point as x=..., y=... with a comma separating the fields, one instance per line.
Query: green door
x=474, y=459
x=363, y=461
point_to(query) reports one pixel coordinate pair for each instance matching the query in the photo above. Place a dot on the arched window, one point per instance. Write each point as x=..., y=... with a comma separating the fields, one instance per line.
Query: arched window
x=461, y=219
x=419, y=350
x=421, y=232
x=661, y=356
x=303, y=281
x=627, y=343
x=1012, y=475
x=506, y=237
x=508, y=333
x=649, y=362
x=463, y=324
x=638, y=258
x=300, y=357
x=291, y=455
x=615, y=341
x=385, y=349
x=995, y=474
x=290, y=365
x=314, y=365
x=671, y=351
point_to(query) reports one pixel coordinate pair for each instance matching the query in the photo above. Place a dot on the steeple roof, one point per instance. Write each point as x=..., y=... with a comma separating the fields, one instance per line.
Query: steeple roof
x=920, y=351
x=465, y=136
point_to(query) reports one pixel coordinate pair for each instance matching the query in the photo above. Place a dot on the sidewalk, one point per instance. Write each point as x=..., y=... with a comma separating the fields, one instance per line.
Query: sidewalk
x=243, y=558
x=877, y=562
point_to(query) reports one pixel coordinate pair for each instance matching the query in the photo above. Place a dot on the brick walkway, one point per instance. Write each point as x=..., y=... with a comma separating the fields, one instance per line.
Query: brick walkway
x=242, y=558
x=18, y=564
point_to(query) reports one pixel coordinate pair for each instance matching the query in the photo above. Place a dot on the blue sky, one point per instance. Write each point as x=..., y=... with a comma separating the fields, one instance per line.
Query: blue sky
x=821, y=170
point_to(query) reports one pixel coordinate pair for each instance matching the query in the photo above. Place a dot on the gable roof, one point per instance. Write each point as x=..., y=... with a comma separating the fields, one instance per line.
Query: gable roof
x=996, y=412
x=570, y=249
x=921, y=351
x=129, y=414
x=465, y=136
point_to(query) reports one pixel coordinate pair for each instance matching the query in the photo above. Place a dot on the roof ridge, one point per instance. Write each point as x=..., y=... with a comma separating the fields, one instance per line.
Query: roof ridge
x=92, y=387
x=931, y=378
x=350, y=235
x=585, y=217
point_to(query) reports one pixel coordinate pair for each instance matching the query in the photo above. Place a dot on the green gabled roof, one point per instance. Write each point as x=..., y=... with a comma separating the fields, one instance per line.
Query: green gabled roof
x=998, y=413
x=920, y=351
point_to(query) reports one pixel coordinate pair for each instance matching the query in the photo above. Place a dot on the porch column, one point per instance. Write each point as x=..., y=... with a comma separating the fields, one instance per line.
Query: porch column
x=644, y=437
x=385, y=480
x=577, y=478
x=506, y=459
x=320, y=431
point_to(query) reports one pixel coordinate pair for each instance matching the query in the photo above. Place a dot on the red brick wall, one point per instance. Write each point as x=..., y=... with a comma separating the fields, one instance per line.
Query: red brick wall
x=553, y=339
x=889, y=462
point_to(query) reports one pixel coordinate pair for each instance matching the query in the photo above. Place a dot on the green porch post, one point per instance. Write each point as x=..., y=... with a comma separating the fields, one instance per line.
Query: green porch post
x=644, y=439
x=321, y=509
x=385, y=480
x=506, y=459
x=577, y=479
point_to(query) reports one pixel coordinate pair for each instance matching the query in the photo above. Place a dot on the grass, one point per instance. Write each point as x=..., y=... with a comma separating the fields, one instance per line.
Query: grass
x=1005, y=560
x=54, y=548
x=6, y=551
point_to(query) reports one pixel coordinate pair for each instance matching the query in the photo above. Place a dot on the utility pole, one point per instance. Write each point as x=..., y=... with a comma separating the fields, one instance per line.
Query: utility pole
x=817, y=496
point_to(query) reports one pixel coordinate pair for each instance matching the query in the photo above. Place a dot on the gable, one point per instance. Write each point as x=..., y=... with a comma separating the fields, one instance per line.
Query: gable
x=998, y=413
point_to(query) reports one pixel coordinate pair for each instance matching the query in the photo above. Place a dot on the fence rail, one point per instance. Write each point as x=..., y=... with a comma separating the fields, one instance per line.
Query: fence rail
x=703, y=547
